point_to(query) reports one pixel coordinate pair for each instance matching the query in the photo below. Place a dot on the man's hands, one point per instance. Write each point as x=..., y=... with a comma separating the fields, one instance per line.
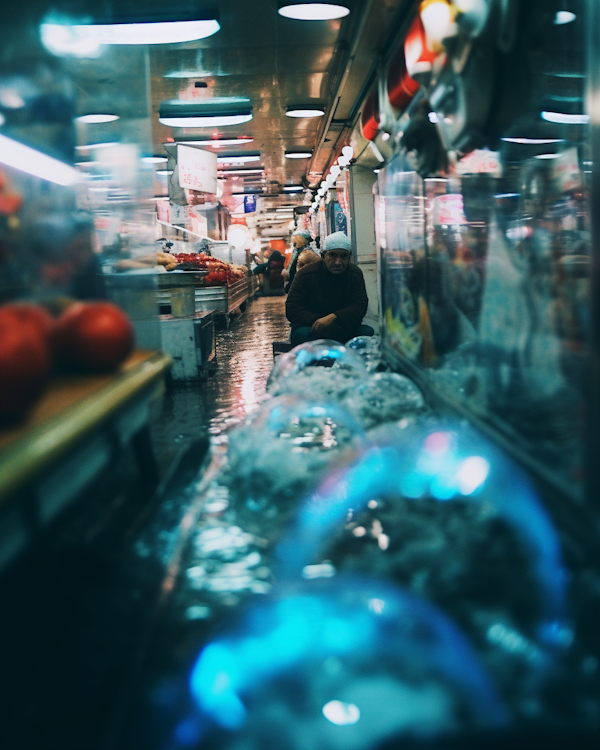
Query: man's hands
x=322, y=323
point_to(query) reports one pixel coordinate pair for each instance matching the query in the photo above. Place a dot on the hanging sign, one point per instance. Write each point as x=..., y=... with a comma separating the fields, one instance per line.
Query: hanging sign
x=249, y=203
x=566, y=170
x=448, y=209
x=480, y=160
x=197, y=169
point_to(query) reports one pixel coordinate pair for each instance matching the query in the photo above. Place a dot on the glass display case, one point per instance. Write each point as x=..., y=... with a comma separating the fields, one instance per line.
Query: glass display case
x=486, y=256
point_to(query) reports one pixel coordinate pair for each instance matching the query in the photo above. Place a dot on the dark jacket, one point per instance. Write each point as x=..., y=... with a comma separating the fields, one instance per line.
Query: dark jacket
x=276, y=261
x=316, y=293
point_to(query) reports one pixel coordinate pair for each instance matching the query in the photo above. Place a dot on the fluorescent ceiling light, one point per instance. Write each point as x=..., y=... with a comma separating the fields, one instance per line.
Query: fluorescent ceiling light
x=238, y=158
x=30, y=161
x=298, y=154
x=94, y=119
x=216, y=142
x=563, y=17
x=533, y=141
x=301, y=11
x=242, y=171
x=154, y=159
x=305, y=112
x=88, y=146
x=166, y=32
x=187, y=74
x=164, y=171
x=214, y=121
x=547, y=156
x=565, y=119
x=293, y=188
x=203, y=113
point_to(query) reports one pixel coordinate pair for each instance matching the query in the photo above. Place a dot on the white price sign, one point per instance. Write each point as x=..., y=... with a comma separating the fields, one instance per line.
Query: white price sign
x=197, y=169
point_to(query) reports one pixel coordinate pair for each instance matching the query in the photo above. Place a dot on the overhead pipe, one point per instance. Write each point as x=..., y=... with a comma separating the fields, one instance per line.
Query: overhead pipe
x=352, y=52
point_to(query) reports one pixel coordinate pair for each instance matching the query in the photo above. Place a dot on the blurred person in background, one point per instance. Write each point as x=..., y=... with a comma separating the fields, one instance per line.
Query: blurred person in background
x=300, y=241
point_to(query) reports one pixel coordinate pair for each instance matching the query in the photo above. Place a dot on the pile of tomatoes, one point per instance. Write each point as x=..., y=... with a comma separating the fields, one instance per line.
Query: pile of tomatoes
x=219, y=273
x=87, y=336
x=201, y=259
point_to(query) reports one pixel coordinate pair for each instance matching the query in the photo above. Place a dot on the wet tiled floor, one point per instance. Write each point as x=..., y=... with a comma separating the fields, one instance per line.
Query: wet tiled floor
x=245, y=358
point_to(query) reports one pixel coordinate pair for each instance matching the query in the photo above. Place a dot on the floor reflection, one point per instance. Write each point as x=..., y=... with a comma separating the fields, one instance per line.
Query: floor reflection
x=245, y=359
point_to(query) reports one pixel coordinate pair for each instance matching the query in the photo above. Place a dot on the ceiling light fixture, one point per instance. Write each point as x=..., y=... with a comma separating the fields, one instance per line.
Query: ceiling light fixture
x=215, y=142
x=237, y=158
x=186, y=74
x=89, y=146
x=30, y=161
x=564, y=119
x=62, y=38
x=563, y=17
x=205, y=113
x=154, y=159
x=164, y=171
x=293, y=188
x=308, y=111
x=533, y=141
x=241, y=171
x=300, y=10
x=94, y=119
x=298, y=154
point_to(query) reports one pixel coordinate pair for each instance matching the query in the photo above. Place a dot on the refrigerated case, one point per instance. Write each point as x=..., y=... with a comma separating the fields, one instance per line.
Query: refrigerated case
x=486, y=258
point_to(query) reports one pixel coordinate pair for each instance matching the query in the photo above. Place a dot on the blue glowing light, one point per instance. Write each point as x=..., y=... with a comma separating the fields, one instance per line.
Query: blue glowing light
x=322, y=352
x=446, y=464
x=298, y=633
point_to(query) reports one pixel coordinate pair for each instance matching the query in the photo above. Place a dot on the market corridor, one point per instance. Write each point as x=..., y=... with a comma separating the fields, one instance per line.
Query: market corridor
x=244, y=361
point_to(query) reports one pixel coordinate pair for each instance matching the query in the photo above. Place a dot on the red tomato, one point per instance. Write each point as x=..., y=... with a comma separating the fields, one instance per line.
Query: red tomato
x=25, y=365
x=29, y=314
x=92, y=336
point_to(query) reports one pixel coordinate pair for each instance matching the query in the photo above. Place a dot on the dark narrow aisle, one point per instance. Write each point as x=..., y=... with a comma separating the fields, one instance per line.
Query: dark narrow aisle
x=245, y=359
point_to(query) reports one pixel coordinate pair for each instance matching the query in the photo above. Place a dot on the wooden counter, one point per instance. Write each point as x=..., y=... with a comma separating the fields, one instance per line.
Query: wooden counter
x=71, y=434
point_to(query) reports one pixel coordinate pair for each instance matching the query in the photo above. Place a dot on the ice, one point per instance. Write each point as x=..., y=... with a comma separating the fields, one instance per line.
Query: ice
x=319, y=383
x=384, y=397
x=320, y=354
x=285, y=448
x=441, y=511
x=369, y=350
x=339, y=664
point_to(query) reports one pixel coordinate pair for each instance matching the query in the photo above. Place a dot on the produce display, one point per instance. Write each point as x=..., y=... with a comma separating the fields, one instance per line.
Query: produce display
x=25, y=360
x=87, y=336
x=219, y=272
x=92, y=336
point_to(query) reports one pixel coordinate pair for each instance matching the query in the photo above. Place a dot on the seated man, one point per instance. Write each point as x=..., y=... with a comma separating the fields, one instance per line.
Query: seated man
x=328, y=299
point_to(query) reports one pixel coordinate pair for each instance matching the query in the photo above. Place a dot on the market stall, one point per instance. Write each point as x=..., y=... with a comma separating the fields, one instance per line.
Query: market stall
x=69, y=437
